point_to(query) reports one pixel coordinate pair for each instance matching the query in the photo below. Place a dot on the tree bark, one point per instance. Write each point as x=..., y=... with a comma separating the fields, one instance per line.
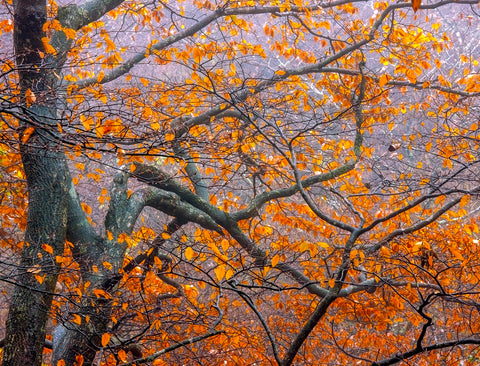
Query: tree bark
x=45, y=169
x=46, y=173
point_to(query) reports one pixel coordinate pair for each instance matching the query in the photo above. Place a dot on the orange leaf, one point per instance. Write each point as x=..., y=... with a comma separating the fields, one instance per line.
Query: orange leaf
x=275, y=260
x=78, y=360
x=26, y=134
x=189, y=253
x=47, y=248
x=30, y=97
x=122, y=355
x=105, y=339
x=383, y=80
x=416, y=4
x=220, y=272
x=39, y=278
x=77, y=319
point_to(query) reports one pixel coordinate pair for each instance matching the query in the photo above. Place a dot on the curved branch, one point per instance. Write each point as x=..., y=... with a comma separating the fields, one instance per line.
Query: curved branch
x=415, y=227
x=252, y=209
x=406, y=355
x=259, y=315
x=157, y=178
x=180, y=344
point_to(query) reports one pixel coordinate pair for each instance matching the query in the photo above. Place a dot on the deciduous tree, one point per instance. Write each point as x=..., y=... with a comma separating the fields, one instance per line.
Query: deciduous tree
x=248, y=182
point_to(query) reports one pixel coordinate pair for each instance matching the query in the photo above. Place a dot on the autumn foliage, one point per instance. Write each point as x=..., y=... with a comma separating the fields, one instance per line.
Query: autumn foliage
x=240, y=182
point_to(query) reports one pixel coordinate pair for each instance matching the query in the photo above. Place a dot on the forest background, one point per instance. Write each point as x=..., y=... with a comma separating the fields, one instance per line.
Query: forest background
x=239, y=182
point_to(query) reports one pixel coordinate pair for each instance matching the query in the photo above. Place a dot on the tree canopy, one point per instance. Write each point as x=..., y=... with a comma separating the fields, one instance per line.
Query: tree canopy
x=240, y=182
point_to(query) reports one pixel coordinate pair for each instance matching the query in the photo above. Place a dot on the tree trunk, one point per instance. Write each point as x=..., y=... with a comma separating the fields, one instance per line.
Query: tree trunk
x=46, y=172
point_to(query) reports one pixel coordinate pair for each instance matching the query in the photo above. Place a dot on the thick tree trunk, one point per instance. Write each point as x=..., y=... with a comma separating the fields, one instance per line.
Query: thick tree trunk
x=46, y=172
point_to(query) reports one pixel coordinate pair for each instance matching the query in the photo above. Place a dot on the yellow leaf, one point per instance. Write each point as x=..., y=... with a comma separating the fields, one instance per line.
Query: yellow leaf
x=70, y=33
x=169, y=137
x=47, y=248
x=105, y=339
x=245, y=149
x=197, y=55
x=220, y=272
x=384, y=251
x=464, y=200
x=304, y=246
x=133, y=167
x=109, y=235
x=230, y=272
x=331, y=282
x=48, y=47
x=189, y=253
x=275, y=260
x=107, y=265
x=144, y=81
x=323, y=244
x=61, y=363
x=166, y=236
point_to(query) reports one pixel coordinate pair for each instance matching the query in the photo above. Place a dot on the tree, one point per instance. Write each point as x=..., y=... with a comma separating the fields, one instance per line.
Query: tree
x=289, y=182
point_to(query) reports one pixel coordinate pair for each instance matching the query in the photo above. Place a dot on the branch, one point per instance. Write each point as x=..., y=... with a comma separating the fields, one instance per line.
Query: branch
x=127, y=65
x=312, y=321
x=201, y=188
x=415, y=227
x=87, y=13
x=252, y=306
x=155, y=177
x=77, y=16
x=172, y=348
x=406, y=355
x=48, y=344
x=252, y=209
